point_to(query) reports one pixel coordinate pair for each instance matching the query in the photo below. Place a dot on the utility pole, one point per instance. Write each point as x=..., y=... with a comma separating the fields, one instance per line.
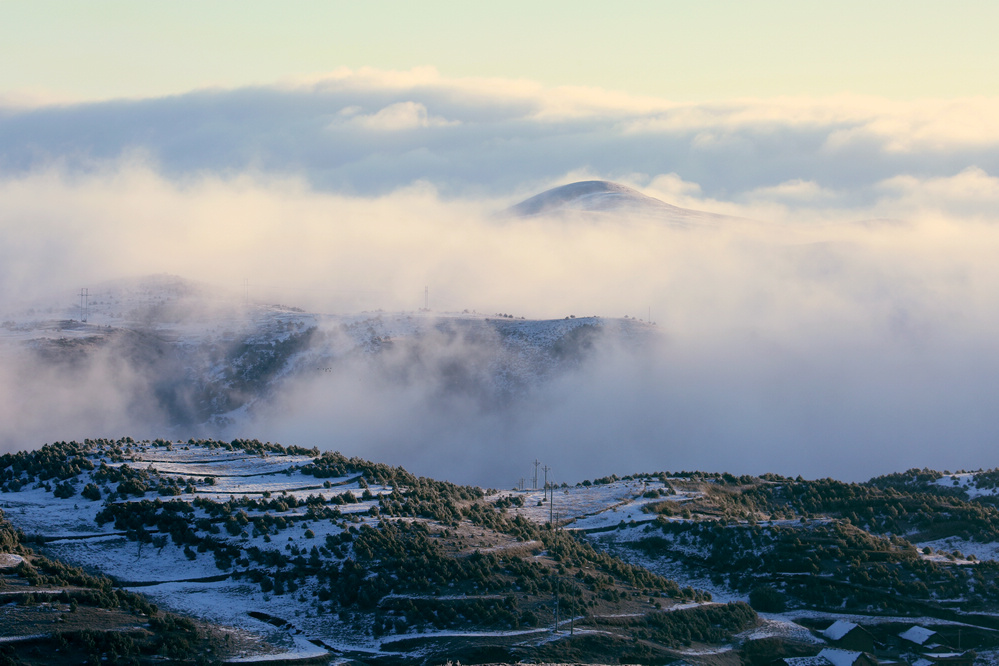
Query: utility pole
x=536, y=464
x=546, y=468
x=84, y=304
x=521, y=483
x=556, y=603
x=572, y=618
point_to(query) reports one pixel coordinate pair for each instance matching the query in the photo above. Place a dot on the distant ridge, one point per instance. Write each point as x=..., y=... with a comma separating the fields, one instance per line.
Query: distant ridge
x=605, y=197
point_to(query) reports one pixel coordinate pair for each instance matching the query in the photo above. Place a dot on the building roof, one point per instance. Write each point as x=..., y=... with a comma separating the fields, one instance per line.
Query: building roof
x=916, y=634
x=838, y=629
x=840, y=657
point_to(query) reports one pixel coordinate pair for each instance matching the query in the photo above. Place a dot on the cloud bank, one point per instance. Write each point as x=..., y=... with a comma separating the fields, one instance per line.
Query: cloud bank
x=844, y=325
x=370, y=132
x=818, y=348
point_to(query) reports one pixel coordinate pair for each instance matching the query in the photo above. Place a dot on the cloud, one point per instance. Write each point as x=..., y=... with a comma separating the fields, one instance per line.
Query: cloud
x=371, y=132
x=787, y=345
x=793, y=338
x=397, y=117
x=796, y=189
x=971, y=192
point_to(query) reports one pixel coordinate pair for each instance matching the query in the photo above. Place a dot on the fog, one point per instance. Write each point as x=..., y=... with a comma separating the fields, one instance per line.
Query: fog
x=840, y=322
x=799, y=342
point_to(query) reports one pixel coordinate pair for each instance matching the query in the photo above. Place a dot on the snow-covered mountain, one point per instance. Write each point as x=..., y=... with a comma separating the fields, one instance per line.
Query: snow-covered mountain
x=601, y=197
x=206, y=357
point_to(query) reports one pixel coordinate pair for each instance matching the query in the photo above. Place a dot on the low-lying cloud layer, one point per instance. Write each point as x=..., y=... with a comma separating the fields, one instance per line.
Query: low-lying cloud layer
x=844, y=325
x=839, y=349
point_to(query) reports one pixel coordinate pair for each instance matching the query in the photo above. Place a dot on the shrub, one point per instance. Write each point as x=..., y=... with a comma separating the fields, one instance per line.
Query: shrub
x=767, y=599
x=64, y=491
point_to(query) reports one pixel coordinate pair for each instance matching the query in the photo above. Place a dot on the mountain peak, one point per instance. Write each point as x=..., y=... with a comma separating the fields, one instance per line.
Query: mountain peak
x=586, y=195
x=603, y=197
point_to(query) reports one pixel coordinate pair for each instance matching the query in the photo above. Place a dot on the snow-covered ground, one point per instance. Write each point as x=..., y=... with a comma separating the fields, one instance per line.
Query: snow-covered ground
x=943, y=550
x=594, y=507
x=968, y=482
x=191, y=582
x=170, y=576
x=612, y=515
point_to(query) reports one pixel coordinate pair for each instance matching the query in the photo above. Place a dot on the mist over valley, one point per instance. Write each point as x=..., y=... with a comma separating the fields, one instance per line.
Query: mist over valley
x=398, y=366
x=842, y=350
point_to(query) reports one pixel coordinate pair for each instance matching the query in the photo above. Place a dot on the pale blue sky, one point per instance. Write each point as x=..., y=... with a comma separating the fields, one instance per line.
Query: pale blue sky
x=691, y=51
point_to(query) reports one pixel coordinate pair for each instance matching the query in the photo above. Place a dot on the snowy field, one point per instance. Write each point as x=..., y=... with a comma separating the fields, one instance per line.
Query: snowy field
x=613, y=514
x=191, y=582
x=594, y=507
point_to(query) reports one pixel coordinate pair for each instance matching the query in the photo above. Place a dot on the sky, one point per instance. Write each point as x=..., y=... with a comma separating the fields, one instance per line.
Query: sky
x=676, y=50
x=330, y=148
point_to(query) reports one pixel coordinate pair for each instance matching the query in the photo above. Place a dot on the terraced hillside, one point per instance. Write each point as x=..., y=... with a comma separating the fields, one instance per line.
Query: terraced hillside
x=323, y=555
x=293, y=553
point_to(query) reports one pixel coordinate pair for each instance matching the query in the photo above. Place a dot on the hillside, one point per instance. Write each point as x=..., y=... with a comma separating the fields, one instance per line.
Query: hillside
x=319, y=554
x=595, y=198
x=314, y=555
x=196, y=357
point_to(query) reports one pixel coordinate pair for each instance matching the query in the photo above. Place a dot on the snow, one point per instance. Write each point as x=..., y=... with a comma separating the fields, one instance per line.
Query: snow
x=123, y=559
x=917, y=634
x=943, y=550
x=594, y=507
x=9, y=560
x=35, y=507
x=966, y=481
x=840, y=657
x=777, y=625
x=173, y=580
x=616, y=542
x=806, y=661
x=169, y=577
x=243, y=466
x=21, y=639
x=596, y=197
x=838, y=630
x=612, y=514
